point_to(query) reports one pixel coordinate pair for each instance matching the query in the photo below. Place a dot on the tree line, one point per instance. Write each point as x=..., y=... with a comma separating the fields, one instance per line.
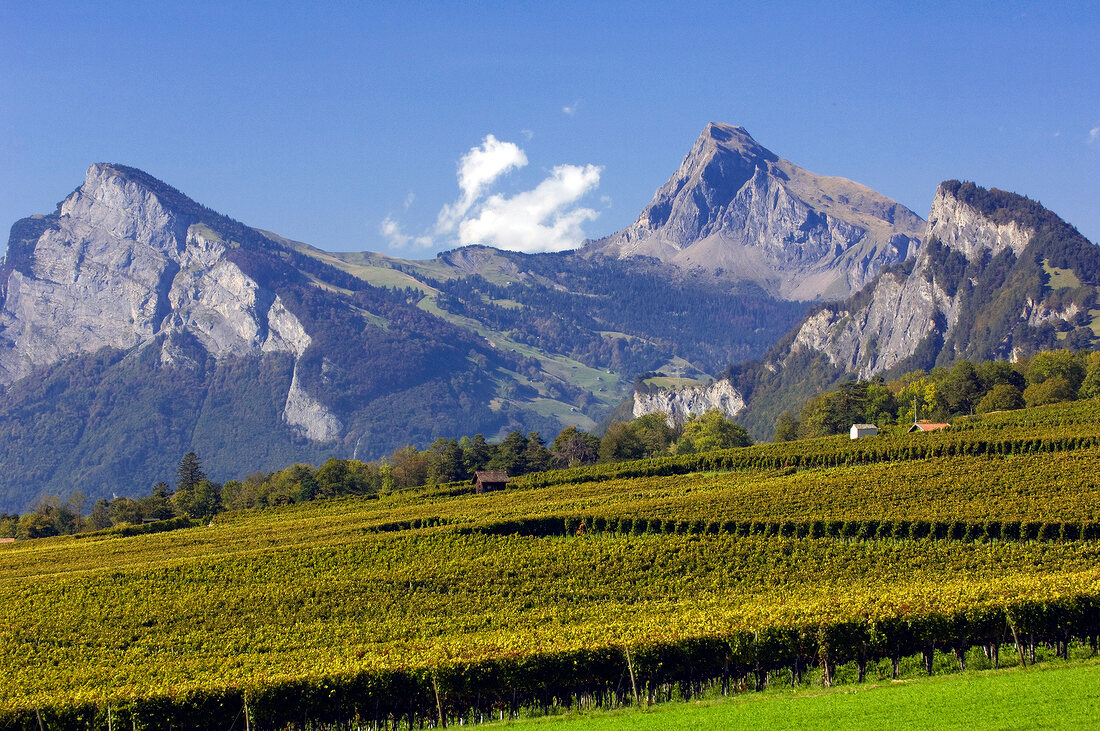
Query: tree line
x=942, y=394
x=445, y=461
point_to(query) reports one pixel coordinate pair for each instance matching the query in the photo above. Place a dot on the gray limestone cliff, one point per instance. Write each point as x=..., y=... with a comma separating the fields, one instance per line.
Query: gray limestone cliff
x=978, y=279
x=680, y=404
x=128, y=262
x=738, y=210
x=998, y=276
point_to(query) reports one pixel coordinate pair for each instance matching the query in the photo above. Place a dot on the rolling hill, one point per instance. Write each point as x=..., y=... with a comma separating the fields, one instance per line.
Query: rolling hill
x=744, y=568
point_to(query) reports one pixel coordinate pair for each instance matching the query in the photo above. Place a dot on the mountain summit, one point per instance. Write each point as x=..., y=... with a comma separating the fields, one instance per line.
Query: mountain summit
x=137, y=325
x=125, y=261
x=737, y=209
x=999, y=276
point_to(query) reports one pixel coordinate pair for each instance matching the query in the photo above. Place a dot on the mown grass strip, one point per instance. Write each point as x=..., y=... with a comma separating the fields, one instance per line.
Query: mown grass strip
x=1066, y=696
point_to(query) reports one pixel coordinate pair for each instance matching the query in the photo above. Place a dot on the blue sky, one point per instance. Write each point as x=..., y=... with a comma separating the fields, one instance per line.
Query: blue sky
x=345, y=124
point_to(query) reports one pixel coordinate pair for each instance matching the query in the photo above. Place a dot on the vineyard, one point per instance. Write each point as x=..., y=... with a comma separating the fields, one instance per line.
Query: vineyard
x=616, y=584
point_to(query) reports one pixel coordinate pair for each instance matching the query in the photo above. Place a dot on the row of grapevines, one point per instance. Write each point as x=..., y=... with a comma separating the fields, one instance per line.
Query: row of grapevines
x=1072, y=413
x=959, y=530
x=1025, y=488
x=454, y=690
x=228, y=616
x=828, y=452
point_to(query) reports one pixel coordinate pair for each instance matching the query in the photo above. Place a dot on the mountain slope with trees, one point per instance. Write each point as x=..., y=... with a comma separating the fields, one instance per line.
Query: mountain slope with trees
x=137, y=325
x=999, y=277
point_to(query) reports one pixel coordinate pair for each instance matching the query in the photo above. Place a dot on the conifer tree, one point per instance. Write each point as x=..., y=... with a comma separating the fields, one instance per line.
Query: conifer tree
x=189, y=473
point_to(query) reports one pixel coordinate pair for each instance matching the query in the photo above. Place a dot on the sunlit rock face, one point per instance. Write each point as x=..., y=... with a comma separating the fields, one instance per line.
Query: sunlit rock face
x=885, y=325
x=680, y=404
x=737, y=210
x=127, y=261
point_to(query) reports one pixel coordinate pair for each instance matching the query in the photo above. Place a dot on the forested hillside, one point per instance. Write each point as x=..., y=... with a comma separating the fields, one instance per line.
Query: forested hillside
x=999, y=277
x=191, y=331
x=630, y=316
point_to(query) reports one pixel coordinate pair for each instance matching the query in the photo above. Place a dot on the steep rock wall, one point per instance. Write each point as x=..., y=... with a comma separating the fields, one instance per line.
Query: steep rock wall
x=680, y=404
x=882, y=327
x=120, y=266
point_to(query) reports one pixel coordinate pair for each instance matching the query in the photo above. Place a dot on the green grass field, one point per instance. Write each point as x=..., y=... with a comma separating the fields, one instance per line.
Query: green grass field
x=1045, y=697
x=1061, y=278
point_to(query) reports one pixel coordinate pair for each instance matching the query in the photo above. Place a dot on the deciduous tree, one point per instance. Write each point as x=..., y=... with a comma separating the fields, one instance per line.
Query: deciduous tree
x=709, y=431
x=573, y=447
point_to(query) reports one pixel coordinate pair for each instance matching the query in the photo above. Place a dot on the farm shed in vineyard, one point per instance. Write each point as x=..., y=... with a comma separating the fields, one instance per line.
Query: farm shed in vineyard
x=863, y=430
x=926, y=426
x=485, y=481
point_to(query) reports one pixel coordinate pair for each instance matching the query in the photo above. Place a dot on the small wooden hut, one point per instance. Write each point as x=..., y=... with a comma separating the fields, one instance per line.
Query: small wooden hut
x=486, y=481
x=926, y=426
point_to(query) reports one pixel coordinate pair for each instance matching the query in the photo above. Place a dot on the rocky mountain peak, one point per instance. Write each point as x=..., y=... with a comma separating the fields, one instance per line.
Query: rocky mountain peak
x=128, y=262
x=113, y=175
x=129, y=206
x=958, y=221
x=738, y=210
x=980, y=288
x=110, y=173
x=733, y=140
x=722, y=160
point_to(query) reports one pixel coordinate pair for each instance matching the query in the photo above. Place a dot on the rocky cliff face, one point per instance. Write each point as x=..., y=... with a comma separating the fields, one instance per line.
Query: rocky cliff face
x=984, y=254
x=137, y=325
x=997, y=277
x=128, y=262
x=961, y=226
x=680, y=404
x=738, y=210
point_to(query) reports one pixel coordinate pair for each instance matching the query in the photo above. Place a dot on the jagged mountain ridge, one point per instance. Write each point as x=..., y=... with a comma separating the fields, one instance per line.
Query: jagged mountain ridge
x=997, y=277
x=136, y=324
x=737, y=209
x=981, y=288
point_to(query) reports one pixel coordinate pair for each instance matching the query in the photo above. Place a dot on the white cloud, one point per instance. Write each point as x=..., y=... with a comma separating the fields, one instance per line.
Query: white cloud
x=571, y=109
x=391, y=232
x=1094, y=135
x=398, y=239
x=543, y=219
x=478, y=169
x=547, y=218
x=527, y=134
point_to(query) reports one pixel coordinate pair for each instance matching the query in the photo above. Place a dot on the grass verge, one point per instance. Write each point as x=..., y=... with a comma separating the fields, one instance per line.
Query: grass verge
x=1046, y=696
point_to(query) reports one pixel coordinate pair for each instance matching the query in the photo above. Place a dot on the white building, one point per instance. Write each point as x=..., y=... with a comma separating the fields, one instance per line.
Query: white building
x=863, y=430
